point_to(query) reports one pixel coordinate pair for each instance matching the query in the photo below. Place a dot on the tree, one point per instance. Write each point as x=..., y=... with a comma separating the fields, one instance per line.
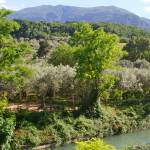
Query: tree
x=64, y=55
x=95, y=52
x=138, y=48
x=43, y=49
x=11, y=55
x=50, y=81
x=11, y=72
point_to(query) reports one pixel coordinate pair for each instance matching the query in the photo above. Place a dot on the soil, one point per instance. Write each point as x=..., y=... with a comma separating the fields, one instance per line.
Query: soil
x=33, y=106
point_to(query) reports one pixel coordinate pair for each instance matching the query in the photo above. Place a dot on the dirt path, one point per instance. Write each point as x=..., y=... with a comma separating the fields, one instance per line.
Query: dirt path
x=32, y=106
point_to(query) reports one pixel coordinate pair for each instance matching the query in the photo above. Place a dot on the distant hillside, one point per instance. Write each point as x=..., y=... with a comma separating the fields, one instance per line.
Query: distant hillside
x=70, y=13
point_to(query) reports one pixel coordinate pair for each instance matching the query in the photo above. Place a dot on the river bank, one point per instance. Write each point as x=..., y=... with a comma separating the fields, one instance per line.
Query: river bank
x=119, y=141
x=62, y=128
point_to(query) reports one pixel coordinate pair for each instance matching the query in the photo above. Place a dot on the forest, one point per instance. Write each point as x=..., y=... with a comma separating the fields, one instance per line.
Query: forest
x=88, y=80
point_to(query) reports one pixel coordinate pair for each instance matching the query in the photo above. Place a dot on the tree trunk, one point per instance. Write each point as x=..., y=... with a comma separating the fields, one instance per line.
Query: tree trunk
x=54, y=96
x=43, y=101
x=73, y=99
x=89, y=102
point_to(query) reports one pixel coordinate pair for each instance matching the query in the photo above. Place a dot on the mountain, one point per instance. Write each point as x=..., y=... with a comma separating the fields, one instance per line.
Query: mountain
x=70, y=13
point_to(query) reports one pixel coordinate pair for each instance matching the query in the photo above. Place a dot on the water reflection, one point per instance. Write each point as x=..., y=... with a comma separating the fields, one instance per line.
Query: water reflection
x=135, y=138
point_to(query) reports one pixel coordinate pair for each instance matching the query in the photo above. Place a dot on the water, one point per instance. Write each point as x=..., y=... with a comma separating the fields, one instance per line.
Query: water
x=135, y=138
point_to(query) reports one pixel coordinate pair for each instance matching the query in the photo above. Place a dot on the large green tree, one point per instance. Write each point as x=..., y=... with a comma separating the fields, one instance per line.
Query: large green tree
x=11, y=54
x=63, y=55
x=95, y=52
x=138, y=48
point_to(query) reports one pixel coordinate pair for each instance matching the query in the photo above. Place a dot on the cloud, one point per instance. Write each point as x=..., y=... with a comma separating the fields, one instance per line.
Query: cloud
x=2, y=1
x=146, y=1
x=147, y=8
x=12, y=7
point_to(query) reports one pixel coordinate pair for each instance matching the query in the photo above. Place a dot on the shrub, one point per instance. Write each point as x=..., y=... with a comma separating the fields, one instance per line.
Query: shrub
x=63, y=130
x=93, y=144
x=48, y=134
x=140, y=147
x=147, y=108
x=7, y=126
x=27, y=134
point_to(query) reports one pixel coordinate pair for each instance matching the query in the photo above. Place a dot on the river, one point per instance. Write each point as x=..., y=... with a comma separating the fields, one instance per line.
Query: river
x=135, y=138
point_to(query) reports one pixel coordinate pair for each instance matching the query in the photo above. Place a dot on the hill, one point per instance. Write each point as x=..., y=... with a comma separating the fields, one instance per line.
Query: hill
x=62, y=13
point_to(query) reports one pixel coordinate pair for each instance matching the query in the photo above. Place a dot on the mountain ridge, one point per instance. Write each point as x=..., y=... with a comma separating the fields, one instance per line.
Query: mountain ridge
x=63, y=13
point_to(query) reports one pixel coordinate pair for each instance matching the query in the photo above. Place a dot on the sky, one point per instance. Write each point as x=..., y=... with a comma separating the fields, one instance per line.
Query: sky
x=138, y=7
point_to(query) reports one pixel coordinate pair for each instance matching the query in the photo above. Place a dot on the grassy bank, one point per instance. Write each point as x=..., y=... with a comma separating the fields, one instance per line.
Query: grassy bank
x=37, y=128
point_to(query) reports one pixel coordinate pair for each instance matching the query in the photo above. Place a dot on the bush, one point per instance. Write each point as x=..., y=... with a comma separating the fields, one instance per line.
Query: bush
x=48, y=134
x=27, y=134
x=7, y=127
x=93, y=144
x=147, y=109
x=141, y=147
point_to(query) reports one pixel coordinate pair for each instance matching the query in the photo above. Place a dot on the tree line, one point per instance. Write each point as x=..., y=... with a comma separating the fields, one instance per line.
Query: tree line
x=43, y=29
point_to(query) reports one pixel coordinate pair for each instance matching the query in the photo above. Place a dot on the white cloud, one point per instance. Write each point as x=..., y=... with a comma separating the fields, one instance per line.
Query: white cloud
x=146, y=1
x=2, y=1
x=147, y=8
x=12, y=7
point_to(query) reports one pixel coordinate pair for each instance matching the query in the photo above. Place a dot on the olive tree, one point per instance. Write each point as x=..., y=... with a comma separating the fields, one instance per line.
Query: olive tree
x=50, y=80
x=133, y=82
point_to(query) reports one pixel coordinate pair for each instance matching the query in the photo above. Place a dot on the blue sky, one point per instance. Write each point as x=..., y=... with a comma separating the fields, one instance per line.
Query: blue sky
x=139, y=7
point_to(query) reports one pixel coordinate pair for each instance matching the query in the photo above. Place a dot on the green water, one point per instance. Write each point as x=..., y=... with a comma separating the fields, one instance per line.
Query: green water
x=136, y=138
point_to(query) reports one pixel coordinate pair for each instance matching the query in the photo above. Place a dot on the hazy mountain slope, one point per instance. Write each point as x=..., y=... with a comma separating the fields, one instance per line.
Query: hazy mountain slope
x=69, y=13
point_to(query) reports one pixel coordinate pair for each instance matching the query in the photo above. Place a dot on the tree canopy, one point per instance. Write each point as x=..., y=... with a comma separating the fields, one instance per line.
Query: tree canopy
x=138, y=48
x=95, y=52
x=43, y=49
x=44, y=30
x=64, y=55
x=11, y=54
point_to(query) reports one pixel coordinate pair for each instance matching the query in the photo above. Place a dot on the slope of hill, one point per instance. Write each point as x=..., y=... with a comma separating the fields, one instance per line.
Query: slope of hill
x=70, y=13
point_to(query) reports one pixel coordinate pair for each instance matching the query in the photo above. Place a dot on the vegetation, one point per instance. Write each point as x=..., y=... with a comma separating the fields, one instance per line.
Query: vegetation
x=100, y=52
x=12, y=72
x=43, y=49
x=61, y=53
x=61, y=128
x=45, y=30
x=82, y=90
x=93, y=144
x=12, y=75
x=62, y=13
x=138, y=48
x=142, y=147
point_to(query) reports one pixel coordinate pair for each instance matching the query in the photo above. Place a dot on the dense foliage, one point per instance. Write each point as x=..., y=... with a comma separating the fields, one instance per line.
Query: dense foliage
x=138, y=48
x=64, y=127
x=7, y=127
x=93, y=144
x=12, y=75
x=12, y=72
x=81, y=82
x=43, y=29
